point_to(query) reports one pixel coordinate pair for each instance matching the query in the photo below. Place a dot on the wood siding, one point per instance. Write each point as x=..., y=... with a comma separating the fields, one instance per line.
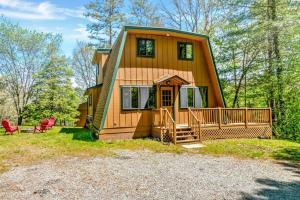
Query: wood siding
x=108, y=70
x=135, y=70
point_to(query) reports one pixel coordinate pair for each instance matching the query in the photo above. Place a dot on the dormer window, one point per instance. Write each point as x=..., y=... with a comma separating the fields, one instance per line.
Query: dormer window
x=145, y=47
x=185, y=50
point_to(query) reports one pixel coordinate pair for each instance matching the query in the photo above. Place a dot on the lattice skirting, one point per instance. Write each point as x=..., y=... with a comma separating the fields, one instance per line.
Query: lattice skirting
x=227, y=133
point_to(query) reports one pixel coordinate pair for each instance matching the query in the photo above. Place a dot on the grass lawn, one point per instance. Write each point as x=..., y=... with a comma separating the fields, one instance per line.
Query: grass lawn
x=27, y=148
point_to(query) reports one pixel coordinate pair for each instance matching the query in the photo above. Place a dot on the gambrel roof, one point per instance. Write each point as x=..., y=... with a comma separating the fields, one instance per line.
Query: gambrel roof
x=115, y=56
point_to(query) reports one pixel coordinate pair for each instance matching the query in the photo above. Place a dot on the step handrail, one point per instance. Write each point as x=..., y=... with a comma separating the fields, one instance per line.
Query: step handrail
x=194, y=123
x=165, y=123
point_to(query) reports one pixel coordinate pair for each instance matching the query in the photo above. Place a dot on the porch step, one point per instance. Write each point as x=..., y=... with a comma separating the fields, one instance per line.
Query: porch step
x=185, y=134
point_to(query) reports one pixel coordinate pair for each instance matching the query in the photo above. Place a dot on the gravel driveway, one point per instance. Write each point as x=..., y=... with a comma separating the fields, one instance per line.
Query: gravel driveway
x=147, y=175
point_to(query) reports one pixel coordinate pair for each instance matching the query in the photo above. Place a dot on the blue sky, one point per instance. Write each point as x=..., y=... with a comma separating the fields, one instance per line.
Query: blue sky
x=57, y=16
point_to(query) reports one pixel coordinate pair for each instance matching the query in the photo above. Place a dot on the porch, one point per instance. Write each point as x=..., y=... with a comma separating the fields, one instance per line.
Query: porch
x=212, y=123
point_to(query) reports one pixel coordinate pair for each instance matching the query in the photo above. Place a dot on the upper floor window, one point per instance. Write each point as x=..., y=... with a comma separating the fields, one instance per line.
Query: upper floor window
x=185, y=50
x=145, y=47
x=137, y=97
x=194, y=97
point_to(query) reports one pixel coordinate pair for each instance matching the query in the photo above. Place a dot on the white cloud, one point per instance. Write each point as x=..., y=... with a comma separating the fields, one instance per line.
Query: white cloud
x=80, y=33
x=37, y=11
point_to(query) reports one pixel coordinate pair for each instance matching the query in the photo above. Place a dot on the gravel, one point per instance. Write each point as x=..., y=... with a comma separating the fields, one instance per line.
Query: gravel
x=147, y=175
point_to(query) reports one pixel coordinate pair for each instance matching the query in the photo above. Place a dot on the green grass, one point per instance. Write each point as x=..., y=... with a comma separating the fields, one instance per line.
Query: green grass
x=254, y=148
x=24, y=148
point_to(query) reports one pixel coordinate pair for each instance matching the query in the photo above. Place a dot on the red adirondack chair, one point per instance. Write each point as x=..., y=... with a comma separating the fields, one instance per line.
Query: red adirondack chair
x=43, y=126
x=9, y=129
x=51, y=122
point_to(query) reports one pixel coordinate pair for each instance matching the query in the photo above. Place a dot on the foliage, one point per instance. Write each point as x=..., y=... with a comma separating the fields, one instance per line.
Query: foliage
x=265, y=35
x=84, y=70
x=143, y=13
x=191, y=15
x=54, y=94
x=107, y=17
x=22, y=54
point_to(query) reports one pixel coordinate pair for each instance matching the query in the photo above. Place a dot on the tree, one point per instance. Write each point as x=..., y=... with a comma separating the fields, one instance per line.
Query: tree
x=273, y=79
x=54, y=94
x=143, y=13
x=191, y=15
x=107, y=18
x=85, y=71
x=6, y=104
x=22, y=54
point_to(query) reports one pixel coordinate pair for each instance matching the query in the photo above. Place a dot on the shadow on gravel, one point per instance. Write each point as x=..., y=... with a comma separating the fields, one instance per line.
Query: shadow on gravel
x=276, y=189
x=79, y=134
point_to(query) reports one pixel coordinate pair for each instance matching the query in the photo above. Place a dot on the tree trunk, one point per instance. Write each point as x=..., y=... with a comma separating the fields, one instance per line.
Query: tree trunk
x=279, y=68
x=110, y=35
x=236, y=97
x=271, y=91
x=20, y=119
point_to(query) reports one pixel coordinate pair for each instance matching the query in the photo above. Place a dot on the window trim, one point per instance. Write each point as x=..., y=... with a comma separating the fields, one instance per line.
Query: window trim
x=178, y=51
x=206, y=98
x=137, y=48
x=138, y=86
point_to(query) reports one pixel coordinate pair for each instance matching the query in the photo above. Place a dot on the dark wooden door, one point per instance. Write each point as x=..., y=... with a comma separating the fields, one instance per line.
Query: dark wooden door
x=167, y=99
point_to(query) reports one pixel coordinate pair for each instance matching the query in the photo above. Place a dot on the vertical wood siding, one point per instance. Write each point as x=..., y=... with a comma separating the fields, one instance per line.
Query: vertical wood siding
x=135, y=70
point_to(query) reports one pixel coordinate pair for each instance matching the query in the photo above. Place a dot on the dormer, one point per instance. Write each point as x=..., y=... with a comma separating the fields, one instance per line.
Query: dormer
x=99, y=60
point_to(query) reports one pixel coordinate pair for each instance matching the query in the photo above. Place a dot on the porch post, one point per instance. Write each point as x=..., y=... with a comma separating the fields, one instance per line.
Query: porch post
x=246, y=117
x=160, y=118
x=220, y=117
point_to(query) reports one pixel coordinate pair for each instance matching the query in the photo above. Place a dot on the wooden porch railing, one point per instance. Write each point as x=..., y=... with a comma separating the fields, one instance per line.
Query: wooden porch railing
x=233, y=116
x=206, y=123
x=194, y=123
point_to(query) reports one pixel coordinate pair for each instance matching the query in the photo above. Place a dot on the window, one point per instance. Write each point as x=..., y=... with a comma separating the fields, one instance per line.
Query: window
x=145, y=47
x=194, y=97
x=166, y=98
x=138, y=97
x=97, y=68
x=185, y=51
x=90, y=98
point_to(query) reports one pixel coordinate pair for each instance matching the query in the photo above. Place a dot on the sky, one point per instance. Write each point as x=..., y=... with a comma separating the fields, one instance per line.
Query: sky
x=64, y=17
x=57, y=16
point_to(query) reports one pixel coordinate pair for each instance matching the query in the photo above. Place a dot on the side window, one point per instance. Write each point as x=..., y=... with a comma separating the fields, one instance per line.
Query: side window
x=185, y=50
x=90, y=99
x=137, y=97
x=97, y=68
x=145, y=47
x=194, y=97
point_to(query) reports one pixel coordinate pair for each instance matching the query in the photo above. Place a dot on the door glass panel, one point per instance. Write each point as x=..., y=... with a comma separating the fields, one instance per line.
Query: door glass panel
x=166, y=98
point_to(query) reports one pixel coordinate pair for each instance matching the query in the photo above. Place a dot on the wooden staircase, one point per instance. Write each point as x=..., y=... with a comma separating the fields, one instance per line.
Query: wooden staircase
x=185, y=134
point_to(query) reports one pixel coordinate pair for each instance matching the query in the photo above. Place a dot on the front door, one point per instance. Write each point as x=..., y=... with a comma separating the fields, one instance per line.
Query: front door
x=167, y=98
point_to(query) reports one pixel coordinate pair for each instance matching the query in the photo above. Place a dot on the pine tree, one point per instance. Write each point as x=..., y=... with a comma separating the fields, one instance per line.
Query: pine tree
x=144, y=13
x=107, y=17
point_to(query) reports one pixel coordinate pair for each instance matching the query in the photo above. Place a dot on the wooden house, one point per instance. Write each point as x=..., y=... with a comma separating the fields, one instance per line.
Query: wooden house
x=162, y=82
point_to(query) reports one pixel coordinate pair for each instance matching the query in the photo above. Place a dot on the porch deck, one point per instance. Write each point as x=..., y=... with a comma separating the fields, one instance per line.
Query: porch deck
x=213, y=123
